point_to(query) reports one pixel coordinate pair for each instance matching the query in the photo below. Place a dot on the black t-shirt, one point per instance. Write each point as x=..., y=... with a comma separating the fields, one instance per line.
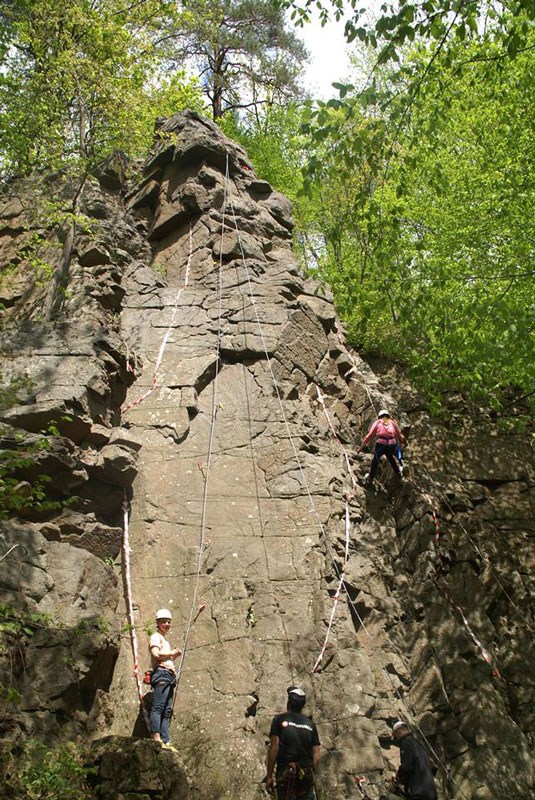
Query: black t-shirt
x=297, y=736
x=415, y=769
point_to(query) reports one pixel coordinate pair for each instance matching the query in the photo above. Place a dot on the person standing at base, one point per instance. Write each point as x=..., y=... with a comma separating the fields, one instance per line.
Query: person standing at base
x=294, y=748
x=414, y=771
x=388, y=442
x=163, y=679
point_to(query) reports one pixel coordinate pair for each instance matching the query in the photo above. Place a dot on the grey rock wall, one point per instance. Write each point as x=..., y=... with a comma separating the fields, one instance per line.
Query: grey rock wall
x=232, y=446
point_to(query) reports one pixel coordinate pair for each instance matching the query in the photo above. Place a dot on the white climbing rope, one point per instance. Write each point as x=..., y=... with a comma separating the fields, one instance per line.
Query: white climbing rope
x=315, y=511
x=202, y=539
x=337, y=438
x=13, y=547
x=336, y=596
x=126, y=550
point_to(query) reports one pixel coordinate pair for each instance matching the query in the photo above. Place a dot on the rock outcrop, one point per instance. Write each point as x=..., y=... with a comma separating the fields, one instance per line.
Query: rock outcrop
x=187, y=295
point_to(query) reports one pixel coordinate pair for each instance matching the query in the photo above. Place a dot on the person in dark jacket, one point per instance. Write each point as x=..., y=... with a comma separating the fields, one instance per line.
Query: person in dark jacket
x=414, y=770
x=294, y=747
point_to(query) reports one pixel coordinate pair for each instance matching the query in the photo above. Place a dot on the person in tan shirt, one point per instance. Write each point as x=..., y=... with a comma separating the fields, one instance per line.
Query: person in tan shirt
x=163, y=680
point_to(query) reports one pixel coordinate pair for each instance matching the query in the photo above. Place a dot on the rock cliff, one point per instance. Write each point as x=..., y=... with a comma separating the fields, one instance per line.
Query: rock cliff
x=186, y=373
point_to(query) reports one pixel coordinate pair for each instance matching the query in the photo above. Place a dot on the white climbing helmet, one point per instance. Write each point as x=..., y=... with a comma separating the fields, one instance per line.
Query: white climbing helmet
x=163, y=613
x=383, y=413
x=296, y=695
x=399, y=724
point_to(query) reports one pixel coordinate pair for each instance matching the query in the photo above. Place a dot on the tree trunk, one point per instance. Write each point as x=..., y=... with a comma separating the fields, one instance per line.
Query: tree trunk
x=55, y=295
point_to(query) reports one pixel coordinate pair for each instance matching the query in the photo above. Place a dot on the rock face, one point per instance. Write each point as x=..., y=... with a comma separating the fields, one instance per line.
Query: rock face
x=239, y=499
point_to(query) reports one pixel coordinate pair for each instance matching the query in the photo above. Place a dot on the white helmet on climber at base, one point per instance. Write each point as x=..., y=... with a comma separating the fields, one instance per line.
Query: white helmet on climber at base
x=383, y=413
x=163, y=613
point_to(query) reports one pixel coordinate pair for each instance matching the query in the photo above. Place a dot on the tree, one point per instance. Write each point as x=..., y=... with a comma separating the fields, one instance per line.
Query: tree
x=77, y=82
x=72, y=75
x=433, y=261
x=243, y=51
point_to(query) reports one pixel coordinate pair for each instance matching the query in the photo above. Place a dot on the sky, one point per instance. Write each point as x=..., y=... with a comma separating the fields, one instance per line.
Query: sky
x=328, y=56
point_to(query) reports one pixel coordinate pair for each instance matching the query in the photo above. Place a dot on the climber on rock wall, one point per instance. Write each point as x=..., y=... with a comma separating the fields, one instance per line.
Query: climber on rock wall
x=388, y=442
x=415, y=769
x=163, y=679
x=294, y=748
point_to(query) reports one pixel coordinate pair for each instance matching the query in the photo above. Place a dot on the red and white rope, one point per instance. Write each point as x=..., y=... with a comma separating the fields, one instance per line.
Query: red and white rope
x=447, y=596
x=154, y=381
x=130, y=606
x=336, y=437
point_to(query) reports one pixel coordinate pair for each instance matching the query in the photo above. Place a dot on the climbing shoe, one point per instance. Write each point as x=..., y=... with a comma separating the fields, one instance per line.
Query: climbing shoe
x=367, y=480
x=169, y=746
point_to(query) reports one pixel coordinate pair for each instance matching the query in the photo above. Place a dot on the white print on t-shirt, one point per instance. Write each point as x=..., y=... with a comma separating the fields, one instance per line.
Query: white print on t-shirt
x=285, y=724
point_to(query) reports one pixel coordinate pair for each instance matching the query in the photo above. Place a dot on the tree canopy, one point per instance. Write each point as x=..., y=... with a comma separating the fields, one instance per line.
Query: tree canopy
x=73, y=72
x=244, y=51
x=415, y=203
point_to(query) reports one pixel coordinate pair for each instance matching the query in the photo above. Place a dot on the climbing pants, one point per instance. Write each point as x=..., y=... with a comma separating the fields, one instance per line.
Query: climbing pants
x=163, y=683
x=295, y=783
x=388, y=450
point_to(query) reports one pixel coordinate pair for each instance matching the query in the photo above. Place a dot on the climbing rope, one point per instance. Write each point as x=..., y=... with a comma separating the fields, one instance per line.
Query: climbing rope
x=13, y=547
x=337, y=438
x=485, y=559
x=154, y=381
x=316, y=513
x=336, y=596
x=127, y=581
x=445, y=593
x=213, y=417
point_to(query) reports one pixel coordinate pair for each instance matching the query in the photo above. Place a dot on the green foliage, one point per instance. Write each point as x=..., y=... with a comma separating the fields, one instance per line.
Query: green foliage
x=16, y=626
x=57, y=773
x=420, y=222
x=434, y=262
x=244, y=51
x=78, y=79
x=18, y=455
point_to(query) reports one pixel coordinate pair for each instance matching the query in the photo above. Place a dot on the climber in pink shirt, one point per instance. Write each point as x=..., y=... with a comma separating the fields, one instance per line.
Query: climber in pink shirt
x=388, y=441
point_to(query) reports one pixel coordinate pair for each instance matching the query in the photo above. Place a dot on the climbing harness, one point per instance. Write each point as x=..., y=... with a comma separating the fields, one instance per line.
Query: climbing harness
x=154, y=381
x=296, y=780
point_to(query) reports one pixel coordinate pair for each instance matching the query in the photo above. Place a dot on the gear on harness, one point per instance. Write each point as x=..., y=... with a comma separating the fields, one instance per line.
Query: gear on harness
x=295, y=782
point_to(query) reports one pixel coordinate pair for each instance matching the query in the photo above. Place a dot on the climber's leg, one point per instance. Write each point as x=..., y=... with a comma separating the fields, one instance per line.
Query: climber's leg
x=162, y=689
x=166, y=715
x=390, y=453
x=377, y=453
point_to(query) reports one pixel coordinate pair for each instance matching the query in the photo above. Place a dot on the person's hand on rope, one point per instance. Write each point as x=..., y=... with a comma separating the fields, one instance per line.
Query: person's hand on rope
x=175, y=653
